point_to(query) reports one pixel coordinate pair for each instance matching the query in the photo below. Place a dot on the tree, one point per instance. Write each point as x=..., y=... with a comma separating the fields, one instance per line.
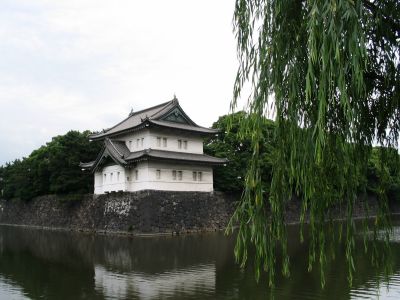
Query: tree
x=236, y=148
x=328, y=72
x=51, y=169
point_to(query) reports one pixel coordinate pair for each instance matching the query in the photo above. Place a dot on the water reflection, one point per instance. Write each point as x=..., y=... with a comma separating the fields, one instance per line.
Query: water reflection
x=37, y=264
x=185, y=282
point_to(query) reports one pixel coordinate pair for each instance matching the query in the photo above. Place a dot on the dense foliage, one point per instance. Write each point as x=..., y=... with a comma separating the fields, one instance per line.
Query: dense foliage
x=229, y=144
x=328, y=73
x=51, y=169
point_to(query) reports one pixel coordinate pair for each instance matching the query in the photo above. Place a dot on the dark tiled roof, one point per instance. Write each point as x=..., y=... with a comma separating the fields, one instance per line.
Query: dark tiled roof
x=153, y=115
x=177, y=156
x=184, y=126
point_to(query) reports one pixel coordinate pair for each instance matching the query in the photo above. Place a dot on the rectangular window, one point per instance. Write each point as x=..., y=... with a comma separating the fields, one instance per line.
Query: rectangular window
x=111, y=176
x=142, y=142
x=136, y=174
x=199, y=176
x=179, y=144
x=158, y=174
x=127, y=178
x=105, y=177
x=173, y=175
x=179, y=175
x=165, y=142
x=194, y=176
x=118, y=176
x=158, y=142
x=130, y=145
x=137, y=143
x=185, y=144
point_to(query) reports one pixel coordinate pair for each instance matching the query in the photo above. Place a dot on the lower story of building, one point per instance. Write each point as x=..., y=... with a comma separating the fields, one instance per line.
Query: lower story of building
x=149, y=175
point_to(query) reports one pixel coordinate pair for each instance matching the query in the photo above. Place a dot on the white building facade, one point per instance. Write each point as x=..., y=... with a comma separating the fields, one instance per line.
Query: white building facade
x=159, y=148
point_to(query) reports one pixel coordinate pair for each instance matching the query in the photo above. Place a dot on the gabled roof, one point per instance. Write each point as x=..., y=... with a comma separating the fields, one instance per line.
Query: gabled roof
x=115, y=150
x=169, y=114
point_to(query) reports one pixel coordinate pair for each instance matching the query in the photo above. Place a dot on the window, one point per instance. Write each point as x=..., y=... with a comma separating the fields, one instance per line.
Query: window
x=199, y=176
x=111, y=176
x=158, y=142
x=130, y=145
x=179, y=144
x=142, y=142
x=194, y=176
x=137, y=143
x=158, y=174
x=164, y=142
x=185, y=144
x=173, y=175
x=136, y=174
x=127, y=178
x=105, y=177
x=118, y=176
x=179, y=175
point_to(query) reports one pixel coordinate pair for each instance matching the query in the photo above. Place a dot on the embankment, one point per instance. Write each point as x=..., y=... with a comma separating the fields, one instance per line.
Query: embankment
x=139, y=212
x=142, y=212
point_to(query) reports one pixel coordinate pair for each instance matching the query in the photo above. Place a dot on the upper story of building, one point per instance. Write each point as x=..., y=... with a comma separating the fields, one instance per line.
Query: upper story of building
x=162, y=127
x=161, y=132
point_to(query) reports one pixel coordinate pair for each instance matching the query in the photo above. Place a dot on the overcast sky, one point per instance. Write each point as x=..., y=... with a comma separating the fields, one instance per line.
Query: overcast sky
x=83, y=64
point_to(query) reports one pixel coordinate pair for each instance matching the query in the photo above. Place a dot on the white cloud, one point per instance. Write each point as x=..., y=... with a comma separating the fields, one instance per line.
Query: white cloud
x=83, y=64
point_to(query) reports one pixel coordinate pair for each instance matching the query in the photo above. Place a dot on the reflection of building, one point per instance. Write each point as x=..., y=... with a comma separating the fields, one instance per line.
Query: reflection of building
x=157, y=286
x=159, y=148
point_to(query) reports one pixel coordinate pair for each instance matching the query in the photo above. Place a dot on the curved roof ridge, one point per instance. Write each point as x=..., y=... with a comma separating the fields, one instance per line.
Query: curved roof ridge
x=105, y=131
x=112, y=144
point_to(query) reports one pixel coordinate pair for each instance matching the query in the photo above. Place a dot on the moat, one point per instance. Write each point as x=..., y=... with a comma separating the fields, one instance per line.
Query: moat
x=40, y=264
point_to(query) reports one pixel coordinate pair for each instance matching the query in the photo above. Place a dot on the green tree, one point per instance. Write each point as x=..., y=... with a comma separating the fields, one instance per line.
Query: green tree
x=51, y=169
x=328, y=71
x=230, y=144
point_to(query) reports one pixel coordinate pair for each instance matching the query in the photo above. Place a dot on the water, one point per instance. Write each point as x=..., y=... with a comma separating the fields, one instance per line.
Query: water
x=39, y=264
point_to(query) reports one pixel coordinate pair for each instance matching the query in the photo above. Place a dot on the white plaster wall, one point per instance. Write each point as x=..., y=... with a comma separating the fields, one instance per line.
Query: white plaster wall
x=195, y=144
x=147, y=178
x=167, y=183
x=134, y=137
x=98, y=182
x=142, y=183
x=113, y=184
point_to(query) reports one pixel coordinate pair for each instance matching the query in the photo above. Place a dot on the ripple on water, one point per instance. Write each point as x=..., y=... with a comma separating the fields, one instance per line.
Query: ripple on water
x=372, y=290
x=9, y=291
x=184, y=282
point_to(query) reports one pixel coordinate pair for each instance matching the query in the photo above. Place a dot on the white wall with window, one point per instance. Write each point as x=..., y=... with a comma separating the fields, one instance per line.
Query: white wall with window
x=145, y=139
x=179, y=177
x=113, y=179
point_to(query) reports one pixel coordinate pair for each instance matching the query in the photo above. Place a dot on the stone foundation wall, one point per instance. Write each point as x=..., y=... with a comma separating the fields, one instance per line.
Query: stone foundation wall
x=139, y=212
x=143, y=212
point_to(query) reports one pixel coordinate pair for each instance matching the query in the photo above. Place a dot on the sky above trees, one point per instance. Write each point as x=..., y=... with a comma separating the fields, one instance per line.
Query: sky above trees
x=84, y=64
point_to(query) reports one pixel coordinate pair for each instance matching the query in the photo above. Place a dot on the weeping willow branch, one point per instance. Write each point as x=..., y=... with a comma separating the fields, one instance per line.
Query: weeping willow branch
x=309, y=64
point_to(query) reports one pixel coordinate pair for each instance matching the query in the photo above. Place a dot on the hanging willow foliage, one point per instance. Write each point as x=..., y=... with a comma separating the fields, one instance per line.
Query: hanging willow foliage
x=328, y=73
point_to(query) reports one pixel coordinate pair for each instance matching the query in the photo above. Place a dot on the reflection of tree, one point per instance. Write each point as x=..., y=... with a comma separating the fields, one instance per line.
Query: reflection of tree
x=302, y=284
x=66, y=265
x=47, y=265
